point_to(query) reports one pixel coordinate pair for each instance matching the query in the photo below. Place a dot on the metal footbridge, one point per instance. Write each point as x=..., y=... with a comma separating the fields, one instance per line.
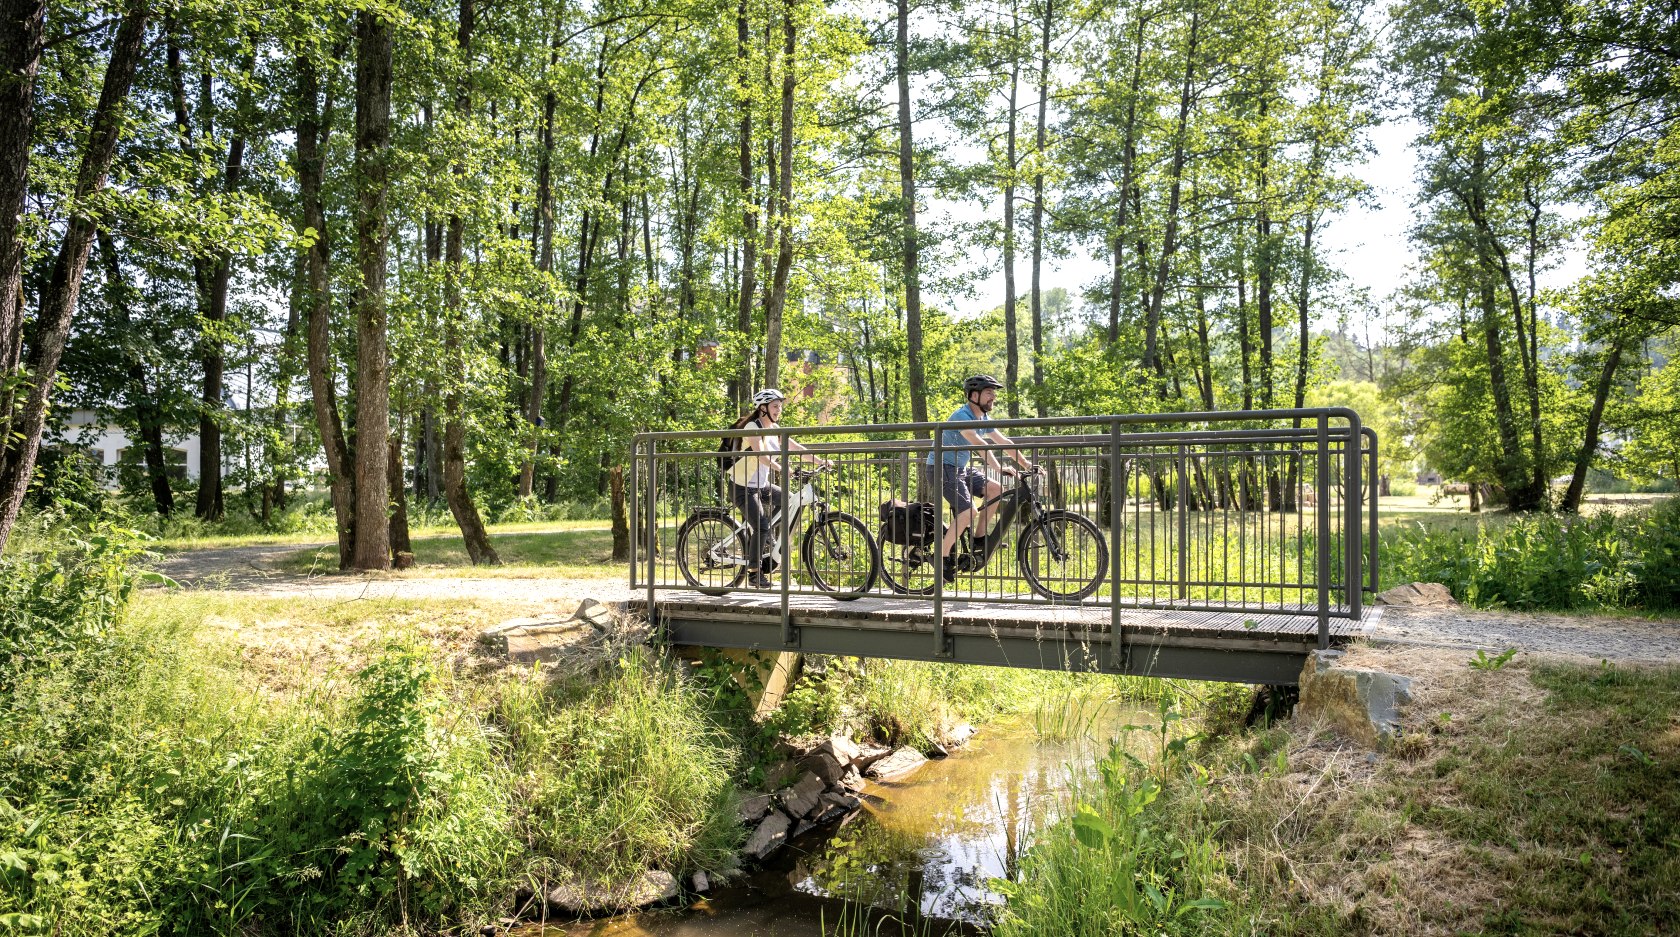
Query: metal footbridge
x=1212, y=546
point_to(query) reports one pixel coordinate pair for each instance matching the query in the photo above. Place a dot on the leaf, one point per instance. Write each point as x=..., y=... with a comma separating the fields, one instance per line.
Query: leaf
x=1090, y=828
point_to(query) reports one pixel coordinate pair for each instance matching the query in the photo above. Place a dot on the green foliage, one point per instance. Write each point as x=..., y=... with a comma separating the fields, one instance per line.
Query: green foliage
x=1117, y=863
x=1497, y=662
x=1545, y=562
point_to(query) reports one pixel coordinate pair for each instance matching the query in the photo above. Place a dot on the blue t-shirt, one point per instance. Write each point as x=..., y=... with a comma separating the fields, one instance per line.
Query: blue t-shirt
x=952, y=438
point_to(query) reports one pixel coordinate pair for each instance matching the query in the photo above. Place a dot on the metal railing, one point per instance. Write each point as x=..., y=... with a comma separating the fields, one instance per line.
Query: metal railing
x=1257, y=512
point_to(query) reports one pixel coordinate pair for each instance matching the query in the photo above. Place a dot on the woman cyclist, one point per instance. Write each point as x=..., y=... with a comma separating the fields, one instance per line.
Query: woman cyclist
x=751, y=478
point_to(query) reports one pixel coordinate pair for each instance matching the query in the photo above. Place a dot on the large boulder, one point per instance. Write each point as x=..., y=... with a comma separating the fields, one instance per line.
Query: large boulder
x=1363, y=704
x=753, y=808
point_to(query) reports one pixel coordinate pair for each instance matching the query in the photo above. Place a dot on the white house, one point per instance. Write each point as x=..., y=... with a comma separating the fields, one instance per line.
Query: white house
x=106, y=444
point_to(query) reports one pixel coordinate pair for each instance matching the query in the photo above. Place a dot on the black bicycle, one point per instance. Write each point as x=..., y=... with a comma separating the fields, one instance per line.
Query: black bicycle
x=1062, y=555
x=837, y=551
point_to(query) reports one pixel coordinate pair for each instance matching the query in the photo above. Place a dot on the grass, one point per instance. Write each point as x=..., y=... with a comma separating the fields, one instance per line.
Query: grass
x=1539, y=798
x=572, y=549
x=219, y=764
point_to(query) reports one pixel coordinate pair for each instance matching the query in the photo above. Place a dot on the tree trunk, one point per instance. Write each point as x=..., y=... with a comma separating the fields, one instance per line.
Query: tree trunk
x=461, y=506
x=373, y=142
x=313, y=130
x=20, y=56
x=402, y=551
x=1589, y=444
x=209, y=503
x=907, y=192
x=1038, y=210
x=620, y=517
x=1012, y=352
x=784, y=211
x=749, y=207
x=544, y=230
x=59, y=298
x=146, y=415
x=1169, y=239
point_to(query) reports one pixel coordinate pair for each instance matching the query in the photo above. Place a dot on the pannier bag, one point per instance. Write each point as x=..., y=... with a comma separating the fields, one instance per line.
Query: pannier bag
x=909, y=524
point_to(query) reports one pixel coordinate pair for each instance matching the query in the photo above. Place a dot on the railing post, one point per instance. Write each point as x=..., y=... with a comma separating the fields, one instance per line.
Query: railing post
x=635, y=518
x=1321, y=496
x=937, y=473
x=1372, y=484
x=1352, y=499
x=1116, y=510
x=1183, y=523
x=652, y=526
x=790, y=637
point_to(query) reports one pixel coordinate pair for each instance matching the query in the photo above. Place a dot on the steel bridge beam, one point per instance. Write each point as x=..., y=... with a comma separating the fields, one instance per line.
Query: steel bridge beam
x=1276, y=663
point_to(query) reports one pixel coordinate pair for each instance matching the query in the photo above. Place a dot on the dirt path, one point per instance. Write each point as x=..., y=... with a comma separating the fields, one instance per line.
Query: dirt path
x=1594, y=637
x=251, y=570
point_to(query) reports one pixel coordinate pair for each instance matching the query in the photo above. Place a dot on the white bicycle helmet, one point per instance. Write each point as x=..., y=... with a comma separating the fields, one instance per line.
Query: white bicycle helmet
x=767, y=395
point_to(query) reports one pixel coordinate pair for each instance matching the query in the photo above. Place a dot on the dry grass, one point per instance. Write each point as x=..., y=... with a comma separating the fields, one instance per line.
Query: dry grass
x=286, y=644
x=1510, y=806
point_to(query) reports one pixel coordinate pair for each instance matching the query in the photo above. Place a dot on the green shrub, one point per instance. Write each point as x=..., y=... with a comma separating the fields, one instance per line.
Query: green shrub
x=1545, y=561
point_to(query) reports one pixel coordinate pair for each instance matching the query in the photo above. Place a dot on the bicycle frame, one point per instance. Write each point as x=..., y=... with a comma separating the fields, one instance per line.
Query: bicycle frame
x=797, y=502
x=1011, y=500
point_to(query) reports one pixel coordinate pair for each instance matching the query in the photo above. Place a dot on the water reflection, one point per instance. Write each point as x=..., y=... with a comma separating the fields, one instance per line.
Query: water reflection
x=957, y=823
x=932, y=842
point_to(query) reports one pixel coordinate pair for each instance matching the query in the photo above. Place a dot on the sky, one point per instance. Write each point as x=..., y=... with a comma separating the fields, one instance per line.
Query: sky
x=1368, y=241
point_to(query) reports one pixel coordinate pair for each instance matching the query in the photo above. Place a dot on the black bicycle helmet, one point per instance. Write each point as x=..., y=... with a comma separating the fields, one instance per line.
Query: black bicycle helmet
x=981, y=382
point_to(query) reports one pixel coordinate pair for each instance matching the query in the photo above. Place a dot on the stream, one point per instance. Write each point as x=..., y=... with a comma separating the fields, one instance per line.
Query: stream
x=934, y=840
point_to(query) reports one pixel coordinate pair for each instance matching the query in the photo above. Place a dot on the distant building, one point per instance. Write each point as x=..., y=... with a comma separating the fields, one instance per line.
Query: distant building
x=106, y=444
x=1429, y=477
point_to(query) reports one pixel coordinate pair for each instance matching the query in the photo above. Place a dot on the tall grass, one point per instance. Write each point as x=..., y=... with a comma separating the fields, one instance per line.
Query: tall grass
x=1546, y=561
x=1115, y=863
x=151, y=785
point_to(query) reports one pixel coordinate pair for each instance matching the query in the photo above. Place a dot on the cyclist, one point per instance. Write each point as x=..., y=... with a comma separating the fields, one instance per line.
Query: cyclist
x=751, y=487
x=961, y=482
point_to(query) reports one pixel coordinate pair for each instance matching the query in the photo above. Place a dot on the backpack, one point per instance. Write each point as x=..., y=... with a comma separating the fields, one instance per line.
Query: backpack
x=729, y=447
x=909, y=523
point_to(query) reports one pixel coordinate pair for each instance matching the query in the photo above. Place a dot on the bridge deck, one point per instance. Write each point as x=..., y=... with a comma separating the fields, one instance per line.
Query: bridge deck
x=1214, y=645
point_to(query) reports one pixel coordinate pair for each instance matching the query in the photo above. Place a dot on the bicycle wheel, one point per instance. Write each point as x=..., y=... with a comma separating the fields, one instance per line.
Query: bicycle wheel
x=709, y=548
x=1063, y=555
x=908, y=570
x=840, y=555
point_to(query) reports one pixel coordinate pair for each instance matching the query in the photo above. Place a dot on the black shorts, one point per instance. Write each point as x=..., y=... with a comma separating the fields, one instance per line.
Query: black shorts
x=959, y=485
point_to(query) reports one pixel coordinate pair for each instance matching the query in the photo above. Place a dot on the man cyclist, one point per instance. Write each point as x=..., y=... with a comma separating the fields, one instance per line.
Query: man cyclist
x=961, y=482
x=751, y=487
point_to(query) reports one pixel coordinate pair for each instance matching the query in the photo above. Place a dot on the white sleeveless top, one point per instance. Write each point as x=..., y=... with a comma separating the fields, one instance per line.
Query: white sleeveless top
x=752, y=470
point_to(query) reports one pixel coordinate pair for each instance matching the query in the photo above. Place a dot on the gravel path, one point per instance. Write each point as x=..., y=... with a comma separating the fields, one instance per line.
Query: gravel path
x=1590, y=636
x=251, y=570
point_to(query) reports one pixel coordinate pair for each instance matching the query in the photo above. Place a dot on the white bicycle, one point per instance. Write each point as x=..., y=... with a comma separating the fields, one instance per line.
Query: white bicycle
x=837, y=550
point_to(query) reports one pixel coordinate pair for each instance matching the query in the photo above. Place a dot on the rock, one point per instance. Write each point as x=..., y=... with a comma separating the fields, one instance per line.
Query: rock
x=842, y=749
x=896, y=765
x=805, y=826
x=779, y=775
x=753, y=808
x=833, y=807
x=853, y=781
x=824, y=765
x=771, y=834
x=959, y=736
x=1364, y=704
x=937, y=750
x=573, y=895
x=548, y=637
x=1419, y=595
x=700, y=883
x=798, y=800
x=868, y=755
